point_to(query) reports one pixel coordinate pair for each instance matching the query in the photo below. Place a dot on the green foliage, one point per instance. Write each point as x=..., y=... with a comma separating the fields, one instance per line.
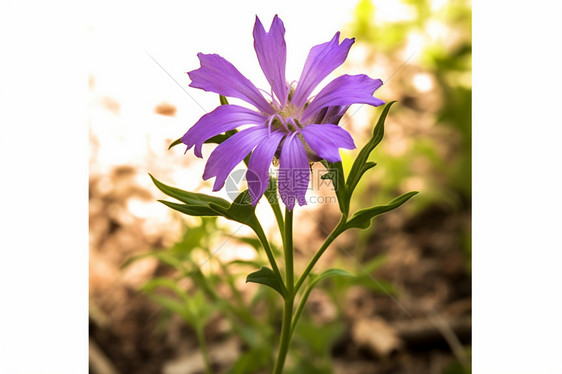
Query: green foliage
x=267, y=277
x=314, y=279
x=344, y=189
x=444, y=55
x=361, y=164
x=223, y=100
x=362, y=219
x=191, y=199
x=174, y=143
x=193, y=295
x=313, y=344
x=193, y=308
x=252, y=360
x=336, y=175
x=196, y=204
x=217, y=139
x=241, y=210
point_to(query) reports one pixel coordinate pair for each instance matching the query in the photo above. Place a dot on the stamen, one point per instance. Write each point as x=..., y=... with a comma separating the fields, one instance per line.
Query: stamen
x=297, y=127
x=293, y=135
x=272, y=99
x=273, y=102
x=269, y=124
x=267, y=93
x=283, y=123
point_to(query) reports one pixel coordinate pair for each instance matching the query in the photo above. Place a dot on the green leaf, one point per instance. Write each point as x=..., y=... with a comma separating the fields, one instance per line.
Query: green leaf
x=362, y=219
x=267, y=277
x=328, y=274
x=174, y=143
x=336, y=175
x=241, y=210
x=191, y=210
x=250, y=263
x=190, y=198
x=314, y=279
x=218, y=139
x=361, y=164
x=271, y=196
x=376, y=285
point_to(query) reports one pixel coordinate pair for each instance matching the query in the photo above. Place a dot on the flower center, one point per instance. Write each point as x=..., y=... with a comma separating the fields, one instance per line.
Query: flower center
x=289, y=110
x=286, y=118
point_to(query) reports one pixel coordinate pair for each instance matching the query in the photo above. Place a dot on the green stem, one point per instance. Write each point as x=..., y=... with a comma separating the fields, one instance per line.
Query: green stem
x=333, y=235
x=204, y=350
x=279, y=219
x=263, y=239
x=300, y=308
x=271, y=194
x=286, y=330
x=288, y=246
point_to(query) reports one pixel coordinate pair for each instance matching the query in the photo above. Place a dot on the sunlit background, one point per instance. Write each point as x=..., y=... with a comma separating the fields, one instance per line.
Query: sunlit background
x=411, y=310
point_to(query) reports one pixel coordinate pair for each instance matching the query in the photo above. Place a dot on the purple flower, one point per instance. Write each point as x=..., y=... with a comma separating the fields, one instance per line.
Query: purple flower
x=289, y=125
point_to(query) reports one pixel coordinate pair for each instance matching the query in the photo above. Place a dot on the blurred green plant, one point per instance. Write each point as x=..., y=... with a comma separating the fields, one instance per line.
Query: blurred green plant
x=191, y=293
x=201, y=301
x=438, y=154
x=444, y=54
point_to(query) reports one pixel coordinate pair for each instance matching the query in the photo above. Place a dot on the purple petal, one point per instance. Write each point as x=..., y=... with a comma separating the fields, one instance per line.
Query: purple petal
x=258, y=167
x=326, y=140
x=330, y=114
x=294, y=172
x=321, y=61
x=344, y=90
x=231, y=152
x=272, y=55
x=223, y=118
x=218, y=75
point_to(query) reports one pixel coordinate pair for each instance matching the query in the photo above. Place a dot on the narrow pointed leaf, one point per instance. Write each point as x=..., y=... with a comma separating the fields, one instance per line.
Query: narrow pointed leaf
x=241, y=210
x=267, y=277
x=174, y=143
x=336, y=175
x=314, y=279
x=218, y=139
x=361, y=164
x=362, y=219
x=328, y=274
x=189, y=198
x=223, y=100
x=192, y=210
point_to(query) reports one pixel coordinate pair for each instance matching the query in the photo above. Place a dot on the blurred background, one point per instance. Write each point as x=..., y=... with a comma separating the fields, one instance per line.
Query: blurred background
x=153, y=311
